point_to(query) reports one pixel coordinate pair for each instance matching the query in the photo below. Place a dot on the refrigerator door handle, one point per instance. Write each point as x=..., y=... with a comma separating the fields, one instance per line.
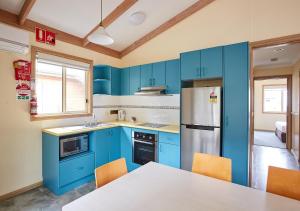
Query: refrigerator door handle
x=201, y=127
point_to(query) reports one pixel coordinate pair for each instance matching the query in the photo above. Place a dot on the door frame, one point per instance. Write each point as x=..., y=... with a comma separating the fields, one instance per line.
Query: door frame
x=290, y=39
x=289, y=85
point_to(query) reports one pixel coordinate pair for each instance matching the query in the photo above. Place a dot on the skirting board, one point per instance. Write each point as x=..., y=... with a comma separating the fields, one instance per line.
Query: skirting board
x=20, y=191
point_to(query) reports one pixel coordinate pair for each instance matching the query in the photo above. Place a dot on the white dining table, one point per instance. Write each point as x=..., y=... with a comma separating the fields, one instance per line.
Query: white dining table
x=156, y=187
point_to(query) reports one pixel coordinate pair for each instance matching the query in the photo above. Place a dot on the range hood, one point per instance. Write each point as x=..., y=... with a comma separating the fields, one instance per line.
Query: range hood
x=152, y=91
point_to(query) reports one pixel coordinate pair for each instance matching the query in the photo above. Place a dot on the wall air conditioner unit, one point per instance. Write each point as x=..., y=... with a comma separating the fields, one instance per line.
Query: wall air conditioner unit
x=13, y=39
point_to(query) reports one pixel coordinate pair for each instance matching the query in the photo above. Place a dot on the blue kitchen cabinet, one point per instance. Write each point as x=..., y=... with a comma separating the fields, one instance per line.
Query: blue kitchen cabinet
x=125, y=81
x=169, y=149
x=190, y=65
x=127, y=148
x=106, y=145
x=173, y=77
x=73, y=169
x=115, y=144
x=211, y=62
x=115, y=81
x=146, y=75
x=135, y=79
x=60, y=176
x=169, y=155
x=159, y=74
x=236, y=122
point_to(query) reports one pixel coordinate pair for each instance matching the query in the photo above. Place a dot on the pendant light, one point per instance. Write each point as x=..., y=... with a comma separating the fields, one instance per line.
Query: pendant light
x=100, y=36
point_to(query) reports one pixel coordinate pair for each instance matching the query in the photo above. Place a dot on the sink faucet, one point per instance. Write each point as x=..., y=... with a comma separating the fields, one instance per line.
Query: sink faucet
x=92, y=122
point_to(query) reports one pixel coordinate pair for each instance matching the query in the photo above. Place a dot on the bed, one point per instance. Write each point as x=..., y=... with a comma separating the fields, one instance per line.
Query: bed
x=280, y=130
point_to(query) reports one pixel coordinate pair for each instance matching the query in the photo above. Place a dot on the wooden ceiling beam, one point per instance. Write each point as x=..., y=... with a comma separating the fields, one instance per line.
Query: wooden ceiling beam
x=29, y=25
x=116, y=13
x=165, y=26
x=27, y=6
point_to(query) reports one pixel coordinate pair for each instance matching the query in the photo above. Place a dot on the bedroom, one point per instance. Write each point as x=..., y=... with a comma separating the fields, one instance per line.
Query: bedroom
x=276, y=102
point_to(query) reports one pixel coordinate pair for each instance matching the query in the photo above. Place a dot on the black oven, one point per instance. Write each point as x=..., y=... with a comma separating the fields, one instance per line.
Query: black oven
x=144, y=147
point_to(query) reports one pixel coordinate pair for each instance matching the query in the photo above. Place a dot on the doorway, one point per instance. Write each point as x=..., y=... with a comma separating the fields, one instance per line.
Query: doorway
x=271, y=135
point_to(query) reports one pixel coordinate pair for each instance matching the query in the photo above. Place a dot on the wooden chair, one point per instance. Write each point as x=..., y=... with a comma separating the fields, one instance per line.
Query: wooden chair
x=110, y=171
x=212, y=166
x=284, y=182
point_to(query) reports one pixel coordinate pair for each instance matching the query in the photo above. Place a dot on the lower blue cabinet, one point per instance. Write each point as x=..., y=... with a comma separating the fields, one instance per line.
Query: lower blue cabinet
x=169, y=149
x=106, y=145
x=73, y=169
x=127, y=148
x=169, y=154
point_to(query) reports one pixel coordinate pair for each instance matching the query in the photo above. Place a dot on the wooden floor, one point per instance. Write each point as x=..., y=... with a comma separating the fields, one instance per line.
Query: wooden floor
x=266, y=156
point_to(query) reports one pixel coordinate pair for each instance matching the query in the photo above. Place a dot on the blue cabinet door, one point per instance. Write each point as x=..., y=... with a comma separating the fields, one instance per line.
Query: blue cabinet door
x=146, y=75
x=211, y=62
x=115, y=144
x=135, y=79
x=173, y=77
x=159, y=74
x=76, y=168
x=190, y=65
x=101, y=144
x=125, y=79
x=235, y=126
x=169, y=154
x=126, y=146
x=115, y=81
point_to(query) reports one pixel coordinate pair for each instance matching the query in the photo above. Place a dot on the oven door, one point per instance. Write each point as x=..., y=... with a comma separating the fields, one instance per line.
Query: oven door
x=69, y=146
x=144, y=152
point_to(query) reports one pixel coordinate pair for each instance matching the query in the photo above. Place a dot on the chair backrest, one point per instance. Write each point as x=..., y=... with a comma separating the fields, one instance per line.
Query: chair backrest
x=284, y=182
x=110, y=171
x=212, y=166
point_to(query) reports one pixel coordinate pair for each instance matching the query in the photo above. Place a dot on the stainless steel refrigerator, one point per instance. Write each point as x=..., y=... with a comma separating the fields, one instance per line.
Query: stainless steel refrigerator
x=200, y=123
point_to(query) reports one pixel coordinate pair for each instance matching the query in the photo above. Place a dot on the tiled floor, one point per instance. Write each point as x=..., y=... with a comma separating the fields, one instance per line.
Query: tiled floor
x=41, y=199
x=266, y=156
x=269, y=139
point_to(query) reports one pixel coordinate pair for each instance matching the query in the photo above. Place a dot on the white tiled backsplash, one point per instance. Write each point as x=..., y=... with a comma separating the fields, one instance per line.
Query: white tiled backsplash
x=154, y=109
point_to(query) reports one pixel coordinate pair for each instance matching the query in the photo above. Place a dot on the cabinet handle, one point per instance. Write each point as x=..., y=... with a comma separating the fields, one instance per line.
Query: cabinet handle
x=150, y=81
x=160, y=148
x=226, y=121
x=153, y=82
x=198, y=72
x=81, y=168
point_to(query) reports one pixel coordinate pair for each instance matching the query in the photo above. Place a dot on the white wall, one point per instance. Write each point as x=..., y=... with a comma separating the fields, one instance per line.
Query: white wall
x=265, y=121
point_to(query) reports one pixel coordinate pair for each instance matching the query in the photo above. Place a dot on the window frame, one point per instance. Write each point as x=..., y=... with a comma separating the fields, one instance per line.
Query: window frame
x=89, y=85
x=263, y=99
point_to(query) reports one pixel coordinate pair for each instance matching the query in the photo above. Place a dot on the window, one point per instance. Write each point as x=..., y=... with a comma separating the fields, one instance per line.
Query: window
x=63, y=85
x=274, y=98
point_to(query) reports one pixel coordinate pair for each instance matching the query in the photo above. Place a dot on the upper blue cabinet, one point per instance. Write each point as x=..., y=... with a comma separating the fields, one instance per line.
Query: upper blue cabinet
x=173, y=76
x=135, y=79
x=211, y=62
x=159, y=74
x=153, y=74
x=190, y=65
x=125, y=81
x=207, y=63
x=115, y=81
x=106, y=80
x=146, y=75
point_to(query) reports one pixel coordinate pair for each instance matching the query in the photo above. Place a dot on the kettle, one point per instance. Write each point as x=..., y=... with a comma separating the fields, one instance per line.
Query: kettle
x=121, y=115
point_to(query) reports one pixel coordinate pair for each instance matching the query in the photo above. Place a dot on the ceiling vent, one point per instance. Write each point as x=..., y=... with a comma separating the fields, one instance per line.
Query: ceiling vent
x=13, y=39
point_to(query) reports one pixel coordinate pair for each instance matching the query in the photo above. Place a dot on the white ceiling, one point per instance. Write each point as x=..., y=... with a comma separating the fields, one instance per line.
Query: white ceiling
x=78, y=17
x=287, y=55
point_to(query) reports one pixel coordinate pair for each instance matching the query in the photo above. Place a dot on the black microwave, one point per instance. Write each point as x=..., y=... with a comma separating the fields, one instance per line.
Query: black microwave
x=72, y=145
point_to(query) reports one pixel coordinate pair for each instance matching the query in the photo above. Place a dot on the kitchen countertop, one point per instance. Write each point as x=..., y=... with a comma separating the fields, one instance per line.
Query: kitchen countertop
x=69, y=130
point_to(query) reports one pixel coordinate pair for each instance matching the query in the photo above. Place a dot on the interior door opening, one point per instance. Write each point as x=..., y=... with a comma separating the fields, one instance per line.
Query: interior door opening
x=274, y=131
